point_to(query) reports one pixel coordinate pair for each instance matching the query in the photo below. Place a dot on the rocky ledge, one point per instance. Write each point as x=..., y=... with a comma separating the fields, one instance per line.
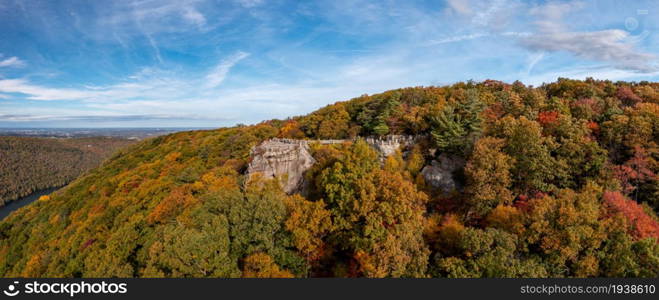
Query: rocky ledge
x=288, y=159
x=284, y=159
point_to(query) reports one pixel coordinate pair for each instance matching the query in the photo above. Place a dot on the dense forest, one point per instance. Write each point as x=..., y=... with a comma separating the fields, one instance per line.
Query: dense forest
x=559, y=180
x=30, y=164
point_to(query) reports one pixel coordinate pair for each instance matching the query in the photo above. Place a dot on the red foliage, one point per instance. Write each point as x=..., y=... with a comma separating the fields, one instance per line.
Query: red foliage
x=494, y=83
x=641, y=225
x=546, y=118
x=88, y=243
x=522, y=203
x=494, y=112
x=626, y=95
x=634, y=171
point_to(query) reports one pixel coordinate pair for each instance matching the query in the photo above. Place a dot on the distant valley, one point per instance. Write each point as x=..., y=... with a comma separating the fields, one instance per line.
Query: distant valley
x=30, y=164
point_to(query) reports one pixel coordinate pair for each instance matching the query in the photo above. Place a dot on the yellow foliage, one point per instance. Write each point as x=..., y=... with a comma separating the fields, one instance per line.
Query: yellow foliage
x=261, y=265
x=506, y=217
x=33, y=266
x=309, y=222
x=173, y=156
x=451, y=230
x=431, y=228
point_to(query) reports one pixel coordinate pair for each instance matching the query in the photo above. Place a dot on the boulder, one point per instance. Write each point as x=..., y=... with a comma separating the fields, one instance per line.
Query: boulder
x=440, y=174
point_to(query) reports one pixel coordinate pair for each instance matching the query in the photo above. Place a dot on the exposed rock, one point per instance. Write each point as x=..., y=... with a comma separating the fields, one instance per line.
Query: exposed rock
x=441, y=174
x=288, y=159
x=284, y=159
x=388, y=145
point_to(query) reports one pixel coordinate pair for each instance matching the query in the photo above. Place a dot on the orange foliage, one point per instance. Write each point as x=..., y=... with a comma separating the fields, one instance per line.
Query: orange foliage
x=173, y=156
x=291, y=130
x=261, y=265
x=641, y=225
x=547, y=118
x=451, y=230
x=33, y=266
x=594, y=127
x=176, y=200
x=506, y=217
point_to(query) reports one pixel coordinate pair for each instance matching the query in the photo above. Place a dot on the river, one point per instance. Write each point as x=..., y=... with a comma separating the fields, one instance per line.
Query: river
x=18, y=203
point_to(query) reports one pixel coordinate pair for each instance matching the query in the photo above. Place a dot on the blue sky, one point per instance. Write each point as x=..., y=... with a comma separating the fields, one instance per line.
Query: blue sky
x=179, y=63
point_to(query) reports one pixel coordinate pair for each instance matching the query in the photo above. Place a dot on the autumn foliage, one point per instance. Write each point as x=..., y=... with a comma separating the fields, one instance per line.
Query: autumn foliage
x=558, y=180
x=641, y=225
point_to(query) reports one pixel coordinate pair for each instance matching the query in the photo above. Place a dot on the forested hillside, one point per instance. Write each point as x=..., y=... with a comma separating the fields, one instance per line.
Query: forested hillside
x=559, y=181
x=31, y=164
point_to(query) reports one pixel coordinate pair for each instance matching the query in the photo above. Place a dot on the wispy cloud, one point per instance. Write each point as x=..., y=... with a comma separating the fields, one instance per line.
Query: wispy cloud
x=156, y=60
x=147, y=84
x=250, y=3
x=613, y=46
x=219, y=73
x=37, y=92
x=193, y=15
x=152, y=14
x=457, y=38
x=460, y=6
x=13, y=61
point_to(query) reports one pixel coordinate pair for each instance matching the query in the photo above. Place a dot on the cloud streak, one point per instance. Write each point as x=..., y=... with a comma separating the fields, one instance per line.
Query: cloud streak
x=13, y=61
x=219, y=73
x=154, y=60
x=613, y=46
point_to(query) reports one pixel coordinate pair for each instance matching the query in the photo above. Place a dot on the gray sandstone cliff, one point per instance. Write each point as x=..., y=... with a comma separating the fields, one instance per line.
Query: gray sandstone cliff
x=284, y=159
x=288, y=159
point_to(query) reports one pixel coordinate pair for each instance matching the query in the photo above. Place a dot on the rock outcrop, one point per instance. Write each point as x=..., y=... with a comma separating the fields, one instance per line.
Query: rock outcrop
x=288, y=159
x=284, y=159
x=441, y=174
x=388, y=145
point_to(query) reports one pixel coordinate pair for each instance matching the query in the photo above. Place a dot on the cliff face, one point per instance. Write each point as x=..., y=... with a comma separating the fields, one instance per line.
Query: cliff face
x=284, y=159
x=440, y=173
x=288, y=159
x=388, y=145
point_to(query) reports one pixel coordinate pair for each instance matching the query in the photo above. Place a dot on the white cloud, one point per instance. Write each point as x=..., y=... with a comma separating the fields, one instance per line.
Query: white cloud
x=151, y=17
x=599, y=72
x=250, y=3
x=193, y=15
x=141, y=87
x=36, y=92
x=485, y=16
x=533, y=60
x=460, y=6
x=613, y=46
x=11, y=62
x=219, y=73
x=492, y=15
x=148, y=84
x=458, y=38
x=607, y=45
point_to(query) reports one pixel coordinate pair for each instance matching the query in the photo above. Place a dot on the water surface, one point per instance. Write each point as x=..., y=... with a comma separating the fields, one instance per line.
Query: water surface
x=20, y=202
